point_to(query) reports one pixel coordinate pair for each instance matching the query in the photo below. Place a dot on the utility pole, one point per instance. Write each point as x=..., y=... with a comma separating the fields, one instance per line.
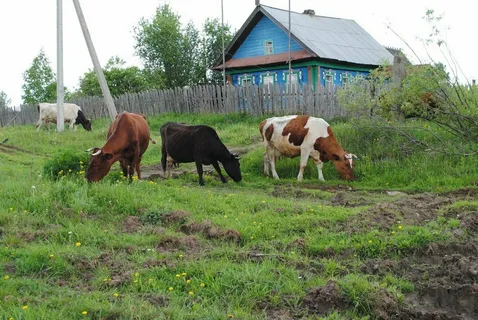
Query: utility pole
x=290, y=64
x=96, y=63
x=60, y=88
x=223, y=50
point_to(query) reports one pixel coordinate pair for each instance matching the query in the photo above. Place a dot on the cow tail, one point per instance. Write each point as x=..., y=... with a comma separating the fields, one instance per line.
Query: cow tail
x=38, y=107
x=153, y=140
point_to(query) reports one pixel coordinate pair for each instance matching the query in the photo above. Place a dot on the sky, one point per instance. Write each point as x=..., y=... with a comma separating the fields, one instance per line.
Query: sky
x=26, y=26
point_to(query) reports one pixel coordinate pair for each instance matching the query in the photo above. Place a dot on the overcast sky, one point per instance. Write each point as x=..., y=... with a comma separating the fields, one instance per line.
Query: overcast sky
x=28, y=25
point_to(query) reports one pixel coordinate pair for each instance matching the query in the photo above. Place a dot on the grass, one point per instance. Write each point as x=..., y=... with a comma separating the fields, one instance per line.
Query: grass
x=65, y=246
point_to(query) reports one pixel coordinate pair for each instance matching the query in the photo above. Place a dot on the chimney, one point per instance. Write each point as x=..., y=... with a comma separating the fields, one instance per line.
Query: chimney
x=310, y=12
x=258, y=2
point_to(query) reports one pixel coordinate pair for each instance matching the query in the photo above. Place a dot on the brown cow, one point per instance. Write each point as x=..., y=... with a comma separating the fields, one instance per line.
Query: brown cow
x=304, y=136
x=127, y=140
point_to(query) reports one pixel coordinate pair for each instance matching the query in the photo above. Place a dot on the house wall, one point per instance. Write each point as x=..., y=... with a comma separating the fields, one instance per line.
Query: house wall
x=281, y=75
x=338, y=74
x=265, y=29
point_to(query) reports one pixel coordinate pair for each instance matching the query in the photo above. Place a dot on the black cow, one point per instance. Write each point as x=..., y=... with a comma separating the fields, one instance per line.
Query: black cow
x=200, y=144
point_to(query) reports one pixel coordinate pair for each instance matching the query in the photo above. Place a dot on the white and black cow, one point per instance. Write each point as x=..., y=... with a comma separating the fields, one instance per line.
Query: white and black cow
x=304, y=136
x=71, y=112
x=200, y=144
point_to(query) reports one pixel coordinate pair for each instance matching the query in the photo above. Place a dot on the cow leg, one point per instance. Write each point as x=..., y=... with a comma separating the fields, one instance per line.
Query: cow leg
x=164, y=156
x=72, y=125
x=320, y=165
x=124, y=167
x=200, y=171
x=131, y=172
x=218, y=169
x=138, y=169
x=304, y=156
x=266, y=164
x=39, y=125
x=271, y=155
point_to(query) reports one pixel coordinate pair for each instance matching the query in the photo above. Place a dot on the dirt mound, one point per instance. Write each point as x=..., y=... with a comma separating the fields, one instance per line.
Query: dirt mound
x=210, y=232
x=155, y=299
x=175, y=217
x=324, y=300
x=417, y=209
x=350, y=200
x=186, y=243
x=132, y=224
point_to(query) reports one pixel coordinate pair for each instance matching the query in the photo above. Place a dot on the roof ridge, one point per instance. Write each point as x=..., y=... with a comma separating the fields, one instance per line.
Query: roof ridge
x=319, y=16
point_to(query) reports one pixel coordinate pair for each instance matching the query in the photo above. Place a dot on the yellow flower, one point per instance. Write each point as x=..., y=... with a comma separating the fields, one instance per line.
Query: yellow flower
x=151, y=182
x=230, y=316
x=11, y=209
x=84, y=313
x=25, y=307
x=292, y=252
x=370, y=241
x=78, y=244
x=69, y=170
x=51, y=256
x=181, y=255
x=252, y=238
x=11, y=318
x=25, y=211
x=81, y=172
x=115, y=295
x=184, y=274
x=136, y=274
x=400, y=227
x=263, y=201
x=6, y=277
x=178, y=276
x=202, y=285
x=188, y=281
x=81, y=162
x=393, y=232
x=171, y=288
x=191, y=293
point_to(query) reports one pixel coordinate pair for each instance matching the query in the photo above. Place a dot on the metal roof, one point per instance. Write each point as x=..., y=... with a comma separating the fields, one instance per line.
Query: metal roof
x=332, y=38
x=323, y=37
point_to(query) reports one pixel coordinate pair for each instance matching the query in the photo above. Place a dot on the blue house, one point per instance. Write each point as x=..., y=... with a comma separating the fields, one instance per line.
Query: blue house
x=323, y=50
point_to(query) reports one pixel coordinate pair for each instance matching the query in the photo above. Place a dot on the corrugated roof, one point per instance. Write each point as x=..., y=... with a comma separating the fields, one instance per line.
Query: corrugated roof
x=265, y=60
x=332, y=38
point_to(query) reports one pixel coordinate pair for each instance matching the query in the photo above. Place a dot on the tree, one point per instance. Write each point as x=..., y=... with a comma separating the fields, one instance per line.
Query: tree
x=192, y=67
x=213, y=46
x=40, y=84
x=4, y=100
x=158, y=44
x=120, y=79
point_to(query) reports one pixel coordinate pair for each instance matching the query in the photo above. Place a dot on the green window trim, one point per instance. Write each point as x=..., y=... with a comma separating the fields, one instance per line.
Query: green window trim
x=267, y=74
x=285, y=76
x=246, y=77
x=271, y=46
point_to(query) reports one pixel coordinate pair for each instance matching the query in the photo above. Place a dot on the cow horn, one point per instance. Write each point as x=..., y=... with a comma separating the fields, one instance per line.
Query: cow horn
x=96, y=153
x=89, y=150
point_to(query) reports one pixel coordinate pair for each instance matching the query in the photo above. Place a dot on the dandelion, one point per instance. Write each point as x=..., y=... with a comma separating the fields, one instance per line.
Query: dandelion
x=178, y=276
x=393, y=232
x=11, y=318
x=11, y=209
x=84, y=313
x=202, y=285
x=25, y=307
x=184, y=274
x=188, y=281
x=51, y=256
x=171, y=289
x=292, y=252
x=69, y=170
x=136, y=274
x=252, y=237
x=263, y=201
x=400, y=227
x=150, y=280
x=230, y=316
x=78, y=244
x=81, y=162
x=370, y=241
x=151, y=182
x=181, y=255
x=81, y=172
x=6, y=277
x=25, y=211
x=191, y=293
x=115, y=295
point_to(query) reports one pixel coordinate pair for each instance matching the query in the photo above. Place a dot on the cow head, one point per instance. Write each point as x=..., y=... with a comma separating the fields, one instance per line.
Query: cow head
x=87, y=124
x=344, y=164
x=99, y=165
x=233, y=167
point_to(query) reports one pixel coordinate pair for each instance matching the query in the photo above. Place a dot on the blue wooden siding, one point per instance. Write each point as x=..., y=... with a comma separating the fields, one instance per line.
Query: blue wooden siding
x=338, y=74
x=265, y=29
x=281, y=75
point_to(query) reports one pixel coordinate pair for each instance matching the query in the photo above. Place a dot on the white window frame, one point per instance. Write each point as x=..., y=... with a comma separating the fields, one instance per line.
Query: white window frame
x=268, y=47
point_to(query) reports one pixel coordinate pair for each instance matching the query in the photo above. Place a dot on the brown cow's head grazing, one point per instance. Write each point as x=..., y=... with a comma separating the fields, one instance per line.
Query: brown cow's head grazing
x=344, y=164
x=99, y=165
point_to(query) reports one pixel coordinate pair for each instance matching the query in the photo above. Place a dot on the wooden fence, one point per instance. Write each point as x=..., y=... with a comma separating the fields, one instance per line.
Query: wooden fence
x=255, y=100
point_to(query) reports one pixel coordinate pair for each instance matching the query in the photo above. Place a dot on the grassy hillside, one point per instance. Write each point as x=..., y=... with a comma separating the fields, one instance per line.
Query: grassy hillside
x=259, y=249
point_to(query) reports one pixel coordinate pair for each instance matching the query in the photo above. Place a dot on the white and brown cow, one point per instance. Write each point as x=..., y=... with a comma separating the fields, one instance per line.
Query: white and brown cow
x=71, y=113
x=304, y=136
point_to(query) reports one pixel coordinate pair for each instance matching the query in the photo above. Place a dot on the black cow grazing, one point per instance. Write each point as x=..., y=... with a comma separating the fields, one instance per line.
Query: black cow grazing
x=200, y=144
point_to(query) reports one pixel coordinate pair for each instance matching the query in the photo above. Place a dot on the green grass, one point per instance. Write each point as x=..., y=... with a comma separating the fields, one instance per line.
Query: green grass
x=64, y=247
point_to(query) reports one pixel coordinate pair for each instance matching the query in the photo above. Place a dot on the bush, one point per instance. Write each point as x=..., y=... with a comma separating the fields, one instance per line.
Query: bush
x=66, y=163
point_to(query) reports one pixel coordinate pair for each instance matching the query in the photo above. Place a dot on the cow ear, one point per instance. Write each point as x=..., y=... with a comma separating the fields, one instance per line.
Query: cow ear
x=108, y=156
x=335, y=157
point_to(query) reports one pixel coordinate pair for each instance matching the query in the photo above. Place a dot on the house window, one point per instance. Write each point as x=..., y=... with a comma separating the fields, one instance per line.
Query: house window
x=329, y=81
x=268, y=79
x=245, y=80
x=345, y=81
x=268, y=47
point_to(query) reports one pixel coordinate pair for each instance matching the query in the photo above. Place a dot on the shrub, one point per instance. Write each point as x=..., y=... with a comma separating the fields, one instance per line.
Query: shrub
x=66, y=163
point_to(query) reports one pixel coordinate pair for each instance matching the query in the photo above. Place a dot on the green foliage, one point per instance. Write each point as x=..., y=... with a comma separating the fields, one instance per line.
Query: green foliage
x=66, y=163
x=120, y=79
x=177, y=56
x=4, y=100
x=39, y=81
